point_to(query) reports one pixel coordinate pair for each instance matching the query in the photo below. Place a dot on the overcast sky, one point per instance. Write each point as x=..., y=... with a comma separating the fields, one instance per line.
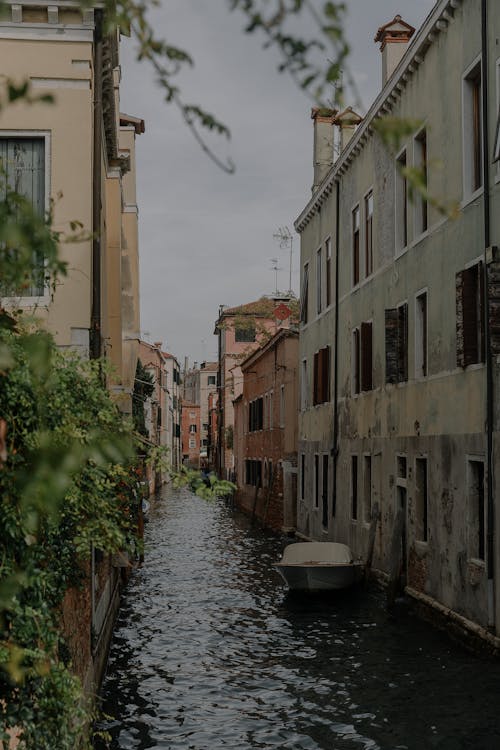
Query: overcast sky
x=206, y=238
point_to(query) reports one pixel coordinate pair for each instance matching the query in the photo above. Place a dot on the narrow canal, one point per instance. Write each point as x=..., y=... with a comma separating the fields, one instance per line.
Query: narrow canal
x=210, y=652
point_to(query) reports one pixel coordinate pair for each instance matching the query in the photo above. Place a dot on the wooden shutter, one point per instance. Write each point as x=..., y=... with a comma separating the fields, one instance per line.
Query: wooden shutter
x=356, y=355
x=315, y=379
x=325, y=368
x=459, y=285
x=494, y=307
x=366, y=356
x=402, y=343
x=391, y=345
x=470, y=310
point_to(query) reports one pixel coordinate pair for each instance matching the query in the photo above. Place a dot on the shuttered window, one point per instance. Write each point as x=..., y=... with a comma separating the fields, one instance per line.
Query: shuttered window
x=469, y=309
x=256, y=415
x=22, y=162
x=363, y=358
x=396, y=344
x=321, y=376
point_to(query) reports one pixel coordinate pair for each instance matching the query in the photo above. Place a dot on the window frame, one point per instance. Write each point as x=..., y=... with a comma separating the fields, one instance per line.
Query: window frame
x=356, y=245
x=368, y=226
x=401, y=208
x=421, y=335
x=319, y=281
x=421, y=161
x=472, y=136
x=46, y=136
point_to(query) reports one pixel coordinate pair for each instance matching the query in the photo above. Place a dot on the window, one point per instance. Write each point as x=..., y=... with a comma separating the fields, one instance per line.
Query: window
x=470, y=323
x=321, y=390
x=192, y=415
x=271, y=410
x=22, y=161
x=328, y=271
x=282, y=406
x=304, y=297
x=192, y=442
x=362, y=358
x=324, y=493
x=212, y=380
x=472, y=135
x=354, y=488
x=256, y=415
x=266, y=411
x=192, y=428
x=205, y=426
x=319, y=281
x=421, y=499
x=253, y=473
x=316, y=480
x=355, y=246
x=396, y=344
x=401, y=204
x=477, y=530
x=421, y=335
x=367, y=488
x=244, y=333
x=421, y=206
x=302, y=476
x=304, y=386
x=369, y=234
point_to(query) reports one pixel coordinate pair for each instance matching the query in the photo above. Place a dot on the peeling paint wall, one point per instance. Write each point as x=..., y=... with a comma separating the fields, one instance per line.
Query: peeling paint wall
x=432, y=423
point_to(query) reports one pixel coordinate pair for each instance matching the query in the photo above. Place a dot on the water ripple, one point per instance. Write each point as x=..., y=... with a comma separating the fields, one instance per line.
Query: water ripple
x=210, y=652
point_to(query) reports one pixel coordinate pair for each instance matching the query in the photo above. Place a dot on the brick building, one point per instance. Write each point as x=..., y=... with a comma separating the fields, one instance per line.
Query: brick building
x=190, y=435
x=265, y=432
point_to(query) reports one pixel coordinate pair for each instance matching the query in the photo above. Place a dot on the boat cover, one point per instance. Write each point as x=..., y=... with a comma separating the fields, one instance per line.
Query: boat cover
x=302, y=553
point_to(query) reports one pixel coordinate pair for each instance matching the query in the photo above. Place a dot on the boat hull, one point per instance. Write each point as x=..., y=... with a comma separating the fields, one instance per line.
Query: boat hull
x=319, y=577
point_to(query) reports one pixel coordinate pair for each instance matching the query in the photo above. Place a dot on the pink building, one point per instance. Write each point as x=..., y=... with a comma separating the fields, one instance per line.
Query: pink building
x=191, y=435
x=241, y=330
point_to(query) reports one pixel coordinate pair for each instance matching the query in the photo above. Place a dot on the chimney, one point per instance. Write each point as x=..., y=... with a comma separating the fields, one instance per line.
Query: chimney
x=323, y=143
x=347, y=122
x=394, y=38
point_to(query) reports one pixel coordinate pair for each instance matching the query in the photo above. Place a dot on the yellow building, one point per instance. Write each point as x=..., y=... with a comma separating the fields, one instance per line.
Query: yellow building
x=78, y=155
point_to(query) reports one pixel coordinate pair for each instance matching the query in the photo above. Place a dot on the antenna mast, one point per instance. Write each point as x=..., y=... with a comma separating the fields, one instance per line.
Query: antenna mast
x=285, y=238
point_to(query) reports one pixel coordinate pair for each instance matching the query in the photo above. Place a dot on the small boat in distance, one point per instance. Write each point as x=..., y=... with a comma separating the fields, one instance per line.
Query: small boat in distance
x=318, y=566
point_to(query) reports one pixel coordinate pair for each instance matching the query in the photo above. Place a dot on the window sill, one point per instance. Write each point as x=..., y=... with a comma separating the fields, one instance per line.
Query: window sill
x=471, y=197
x=401, y=251
x=43, y=301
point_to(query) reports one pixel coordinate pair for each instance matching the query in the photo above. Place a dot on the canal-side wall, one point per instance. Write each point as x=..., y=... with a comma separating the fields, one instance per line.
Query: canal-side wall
x=403, y=424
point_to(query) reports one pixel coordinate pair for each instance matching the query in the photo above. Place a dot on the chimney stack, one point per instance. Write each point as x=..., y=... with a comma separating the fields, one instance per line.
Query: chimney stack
x=323, y=143
x=394, y=39
x=347, y=121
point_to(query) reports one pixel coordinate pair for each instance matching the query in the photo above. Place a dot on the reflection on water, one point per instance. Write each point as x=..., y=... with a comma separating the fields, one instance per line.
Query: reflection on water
x=210, y=652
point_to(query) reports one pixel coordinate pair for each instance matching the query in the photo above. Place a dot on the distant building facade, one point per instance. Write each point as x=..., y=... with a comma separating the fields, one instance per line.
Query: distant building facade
x=174, y=390
x=198, y=384
x=240, y=330
x=190, y=435
x=266, y=430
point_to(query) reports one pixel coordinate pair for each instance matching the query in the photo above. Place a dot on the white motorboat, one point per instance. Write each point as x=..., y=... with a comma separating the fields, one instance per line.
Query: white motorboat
x=318, y=566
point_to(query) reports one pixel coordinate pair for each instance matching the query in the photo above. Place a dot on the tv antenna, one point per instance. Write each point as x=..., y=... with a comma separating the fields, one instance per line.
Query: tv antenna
x=285, y=238
x=275, y=268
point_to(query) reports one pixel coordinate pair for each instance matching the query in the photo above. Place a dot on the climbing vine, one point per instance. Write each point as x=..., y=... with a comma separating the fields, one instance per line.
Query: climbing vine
x=66, y=484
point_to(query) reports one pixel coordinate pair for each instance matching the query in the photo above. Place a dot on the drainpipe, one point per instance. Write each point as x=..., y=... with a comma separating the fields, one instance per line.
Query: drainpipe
x=95, y=324
x=334, y=450
x=490, y=555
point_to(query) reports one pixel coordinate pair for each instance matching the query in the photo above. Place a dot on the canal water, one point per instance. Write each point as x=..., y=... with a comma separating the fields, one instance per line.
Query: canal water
x=210, y=652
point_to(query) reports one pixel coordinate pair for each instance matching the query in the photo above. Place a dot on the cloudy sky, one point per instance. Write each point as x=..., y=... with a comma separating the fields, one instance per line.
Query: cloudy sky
x=206, y=238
